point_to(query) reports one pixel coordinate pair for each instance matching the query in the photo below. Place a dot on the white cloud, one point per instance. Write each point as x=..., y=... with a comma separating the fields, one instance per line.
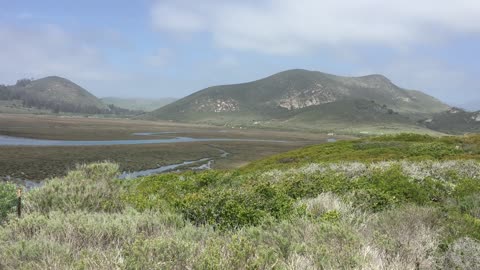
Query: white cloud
x=431, y=76
x=178, y=19
x=293, y=26
x=48, y=50
x=160, y=58
x=227, y=61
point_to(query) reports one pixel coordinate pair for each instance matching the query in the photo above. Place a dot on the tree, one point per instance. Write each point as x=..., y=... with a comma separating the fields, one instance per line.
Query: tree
x=23, y=82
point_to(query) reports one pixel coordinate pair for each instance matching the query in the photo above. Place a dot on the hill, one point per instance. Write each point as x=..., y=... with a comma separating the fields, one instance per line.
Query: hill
x=455, y=120
x=299, y=96
x=54, y=93
x=138, y=104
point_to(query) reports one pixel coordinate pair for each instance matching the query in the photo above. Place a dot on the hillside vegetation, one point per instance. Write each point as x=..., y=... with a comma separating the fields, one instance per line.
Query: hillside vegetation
x=53, y=94
x=391, y=202
x=455, y=120
x=299, y=98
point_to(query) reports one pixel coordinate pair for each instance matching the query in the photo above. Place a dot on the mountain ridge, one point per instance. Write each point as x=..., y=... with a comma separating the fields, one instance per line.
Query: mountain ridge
x=289, y=94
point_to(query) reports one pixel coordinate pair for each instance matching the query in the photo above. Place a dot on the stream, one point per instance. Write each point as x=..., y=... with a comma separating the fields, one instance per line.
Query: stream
x=206, y=165
x=206, y=162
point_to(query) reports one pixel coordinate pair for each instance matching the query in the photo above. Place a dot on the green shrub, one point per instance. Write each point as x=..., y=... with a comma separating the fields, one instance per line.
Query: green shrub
x=467, y=187
x=228, y=208
x=470, y=204
x=389, y=187
x=8, y=200
x=373, y=200
x=405, y=137
x=460, y=225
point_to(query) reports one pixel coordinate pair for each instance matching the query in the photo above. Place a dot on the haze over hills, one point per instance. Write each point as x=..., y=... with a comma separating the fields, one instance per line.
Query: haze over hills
x=299, y=96
x=138, y=104
x=471, y=106
x=455, y=120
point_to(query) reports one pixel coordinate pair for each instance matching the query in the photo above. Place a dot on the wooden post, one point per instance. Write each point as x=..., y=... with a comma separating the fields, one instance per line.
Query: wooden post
x=19, y=202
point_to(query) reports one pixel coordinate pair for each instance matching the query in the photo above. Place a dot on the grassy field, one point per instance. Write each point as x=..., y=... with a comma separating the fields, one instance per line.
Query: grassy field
x=391, y=202
x=84, y=128
x=38, y=163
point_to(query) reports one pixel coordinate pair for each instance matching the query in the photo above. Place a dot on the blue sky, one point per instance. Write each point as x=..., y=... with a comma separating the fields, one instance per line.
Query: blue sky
x=171, y=48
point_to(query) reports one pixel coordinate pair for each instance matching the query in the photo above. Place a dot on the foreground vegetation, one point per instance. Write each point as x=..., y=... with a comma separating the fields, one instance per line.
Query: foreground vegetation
x=394, y=202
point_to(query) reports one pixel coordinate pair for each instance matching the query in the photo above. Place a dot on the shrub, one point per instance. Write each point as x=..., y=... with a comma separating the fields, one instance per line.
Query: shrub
x=397, y=185
x=229, y=209
x=405, y=238
x=470, y=205
x=159, y=253
x=467, y=187
x=464, y=253
x=326, y=205
x=460, y=225
x=373, y=200
x=8, y=199
x=90, y=187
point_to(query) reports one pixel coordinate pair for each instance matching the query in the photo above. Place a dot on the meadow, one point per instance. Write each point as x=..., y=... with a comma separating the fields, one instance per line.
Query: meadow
x=392, y=202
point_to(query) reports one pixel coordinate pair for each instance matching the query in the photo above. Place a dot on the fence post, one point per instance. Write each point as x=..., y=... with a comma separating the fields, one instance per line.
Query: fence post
x=19, y=202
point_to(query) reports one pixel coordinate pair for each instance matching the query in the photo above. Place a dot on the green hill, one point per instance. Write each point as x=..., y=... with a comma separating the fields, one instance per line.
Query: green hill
x=53, y=93
x=297, y=97
x=138, y=104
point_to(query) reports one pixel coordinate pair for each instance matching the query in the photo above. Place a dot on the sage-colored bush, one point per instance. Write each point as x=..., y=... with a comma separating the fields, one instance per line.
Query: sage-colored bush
x=90, y=187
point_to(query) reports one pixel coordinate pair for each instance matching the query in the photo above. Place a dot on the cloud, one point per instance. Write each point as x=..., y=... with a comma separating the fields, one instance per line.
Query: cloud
x=296, y=26
x=227, y=61
x=432, y=76
x=177, y=19
x=37, y=51
x=160, y=58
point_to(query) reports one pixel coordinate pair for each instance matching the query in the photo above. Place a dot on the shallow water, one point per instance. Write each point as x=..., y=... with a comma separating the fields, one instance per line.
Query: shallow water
x=207, y=162
x=154, y=133
x=17, y=141
x=167, y=168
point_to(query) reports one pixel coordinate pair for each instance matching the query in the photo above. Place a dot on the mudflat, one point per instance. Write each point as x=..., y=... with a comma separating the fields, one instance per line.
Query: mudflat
x=40, y=162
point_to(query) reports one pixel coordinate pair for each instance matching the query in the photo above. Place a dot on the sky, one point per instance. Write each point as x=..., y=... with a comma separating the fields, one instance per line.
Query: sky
x=172, y=48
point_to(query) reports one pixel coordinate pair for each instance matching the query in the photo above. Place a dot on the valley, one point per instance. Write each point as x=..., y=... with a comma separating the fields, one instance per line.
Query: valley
x=299, y=170
x=41, y=162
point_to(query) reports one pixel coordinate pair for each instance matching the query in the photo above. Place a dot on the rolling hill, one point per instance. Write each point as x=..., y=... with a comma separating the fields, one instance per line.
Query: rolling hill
x=304, y=98
x=138, y=104
x=54, y=93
